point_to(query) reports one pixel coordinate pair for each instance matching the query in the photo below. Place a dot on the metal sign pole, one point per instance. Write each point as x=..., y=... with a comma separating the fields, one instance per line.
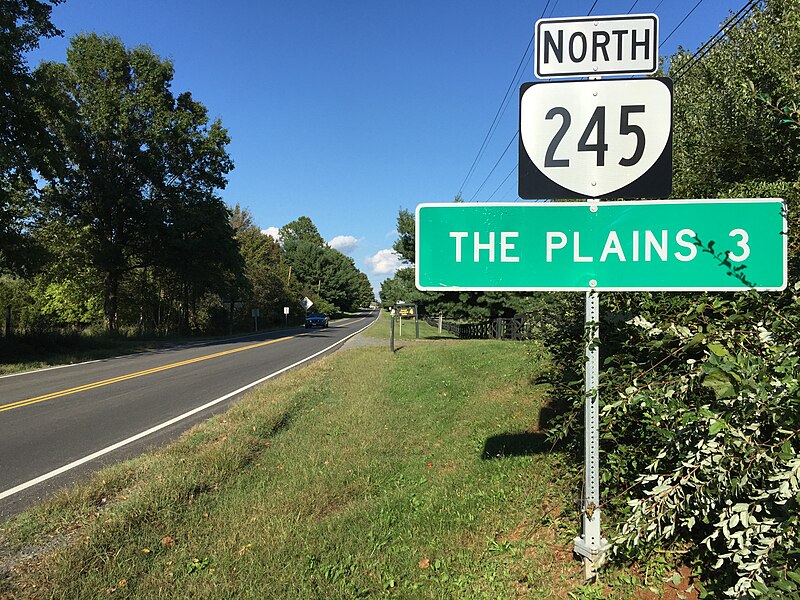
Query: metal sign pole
x=591, y=545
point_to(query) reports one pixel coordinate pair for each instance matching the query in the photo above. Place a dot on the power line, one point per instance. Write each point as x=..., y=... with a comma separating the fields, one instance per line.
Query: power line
x=497, y=115
x=514, y=168
x=591, y=9
x=483, y=183
x=703, y=51
x=699, y=2
x=503, y=105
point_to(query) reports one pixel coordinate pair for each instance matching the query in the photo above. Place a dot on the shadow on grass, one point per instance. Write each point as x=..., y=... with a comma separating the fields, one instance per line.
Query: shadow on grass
x=515, y=444
x=525, y=443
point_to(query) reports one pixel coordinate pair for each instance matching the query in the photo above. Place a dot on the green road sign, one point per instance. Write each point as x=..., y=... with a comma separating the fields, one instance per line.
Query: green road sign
x=661, y=245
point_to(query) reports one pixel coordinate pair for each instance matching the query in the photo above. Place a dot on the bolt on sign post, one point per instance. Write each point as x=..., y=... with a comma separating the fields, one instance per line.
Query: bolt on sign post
x=599, y=139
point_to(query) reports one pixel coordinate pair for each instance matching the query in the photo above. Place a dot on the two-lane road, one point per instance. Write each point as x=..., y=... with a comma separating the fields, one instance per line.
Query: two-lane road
x=59, y=424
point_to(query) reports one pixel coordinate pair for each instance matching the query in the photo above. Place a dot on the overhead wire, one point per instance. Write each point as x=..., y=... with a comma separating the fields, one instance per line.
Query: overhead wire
x=503, y=105
x=703, y=51
x=699, y=2
x=497, y=115
x=483, y=183
x=514, y=168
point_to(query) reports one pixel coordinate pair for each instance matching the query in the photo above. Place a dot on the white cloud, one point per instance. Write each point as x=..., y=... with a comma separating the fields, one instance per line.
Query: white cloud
x=273, y=232
x=384, y=262
x=344, y=243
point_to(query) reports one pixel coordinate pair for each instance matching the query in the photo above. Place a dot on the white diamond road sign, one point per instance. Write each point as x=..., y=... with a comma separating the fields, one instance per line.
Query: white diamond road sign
x=612, y=45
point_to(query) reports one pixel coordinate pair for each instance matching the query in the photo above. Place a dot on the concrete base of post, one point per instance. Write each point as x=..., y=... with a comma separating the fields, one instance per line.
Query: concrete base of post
x=593, y=556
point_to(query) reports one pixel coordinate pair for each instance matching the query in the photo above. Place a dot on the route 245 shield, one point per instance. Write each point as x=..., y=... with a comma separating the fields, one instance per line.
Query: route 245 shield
x=596, y=139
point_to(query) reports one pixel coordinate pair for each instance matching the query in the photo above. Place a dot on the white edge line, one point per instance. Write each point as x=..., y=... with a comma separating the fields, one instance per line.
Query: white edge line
x=138, y=436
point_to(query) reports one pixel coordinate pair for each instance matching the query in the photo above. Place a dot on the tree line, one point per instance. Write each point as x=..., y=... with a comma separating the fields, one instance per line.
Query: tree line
x=109, y=200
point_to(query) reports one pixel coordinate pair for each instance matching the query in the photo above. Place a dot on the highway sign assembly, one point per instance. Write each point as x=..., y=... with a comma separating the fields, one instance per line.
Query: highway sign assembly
x=580, y=46
x=596, y=139
x=599, y=139
x=665, y=245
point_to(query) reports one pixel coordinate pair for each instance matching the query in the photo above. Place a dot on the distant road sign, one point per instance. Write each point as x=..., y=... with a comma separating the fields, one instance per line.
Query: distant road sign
x=611, y=45
x=407, y=310
x=306, y=303
x=666, y=245
x=596, y=139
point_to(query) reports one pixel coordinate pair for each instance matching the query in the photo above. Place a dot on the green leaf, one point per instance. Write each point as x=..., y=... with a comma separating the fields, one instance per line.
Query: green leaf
x=786, y=586
x=716, y=427
x=720, y=382
x=760, y=587
x=718, y=349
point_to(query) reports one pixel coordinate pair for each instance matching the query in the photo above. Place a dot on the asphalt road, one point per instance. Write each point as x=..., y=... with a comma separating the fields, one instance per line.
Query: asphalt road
x=60, y=424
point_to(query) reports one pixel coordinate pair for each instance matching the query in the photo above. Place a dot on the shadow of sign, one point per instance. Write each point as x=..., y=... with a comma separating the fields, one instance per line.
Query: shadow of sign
x=515, y=444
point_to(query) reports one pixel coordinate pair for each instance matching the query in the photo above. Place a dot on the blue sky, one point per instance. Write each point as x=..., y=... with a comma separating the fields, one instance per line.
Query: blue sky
x=347, y=111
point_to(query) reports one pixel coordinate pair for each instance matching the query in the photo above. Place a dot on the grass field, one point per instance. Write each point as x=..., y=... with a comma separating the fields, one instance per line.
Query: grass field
x=418, y=474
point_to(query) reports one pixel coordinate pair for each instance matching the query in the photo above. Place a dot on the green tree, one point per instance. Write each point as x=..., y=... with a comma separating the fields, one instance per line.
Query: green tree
x=302, y=229
x=269, y=288
x=323, y=272
x=404, y=245
x=139, y=167
x=23, y=139
x=366, y=295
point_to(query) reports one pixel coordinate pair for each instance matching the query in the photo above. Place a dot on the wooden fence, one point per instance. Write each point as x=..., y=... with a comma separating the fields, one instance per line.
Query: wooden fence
x=516, y=328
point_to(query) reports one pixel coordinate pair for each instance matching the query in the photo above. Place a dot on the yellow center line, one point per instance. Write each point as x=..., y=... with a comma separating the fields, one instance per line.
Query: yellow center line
x=104, y=382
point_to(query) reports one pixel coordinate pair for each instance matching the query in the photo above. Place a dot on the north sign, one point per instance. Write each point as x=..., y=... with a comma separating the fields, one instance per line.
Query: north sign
x=596, y=139
x=612, y=45
x=675, y=245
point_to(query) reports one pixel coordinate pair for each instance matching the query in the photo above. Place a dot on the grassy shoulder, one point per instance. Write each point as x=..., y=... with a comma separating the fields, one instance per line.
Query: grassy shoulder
x=419, y=474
